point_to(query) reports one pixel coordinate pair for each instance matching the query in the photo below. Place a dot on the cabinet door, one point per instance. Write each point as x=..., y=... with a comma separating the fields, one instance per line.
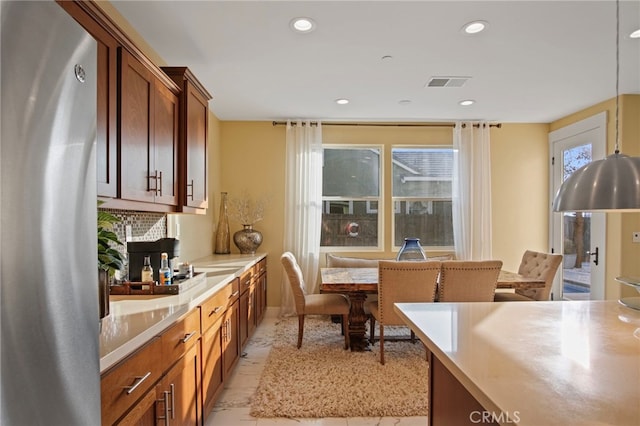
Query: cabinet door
x=212, y=368
x=196, y=148
x=231, y=339
x=136, y=162
x=143, y=413
x=180, y=391
x=107, y=97
x=252, y=319
x=165, y=144
x=243, y=331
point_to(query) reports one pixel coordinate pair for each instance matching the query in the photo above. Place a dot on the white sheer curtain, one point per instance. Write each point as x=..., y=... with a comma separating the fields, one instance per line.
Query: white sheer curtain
x=303, y=205
x=471, y=202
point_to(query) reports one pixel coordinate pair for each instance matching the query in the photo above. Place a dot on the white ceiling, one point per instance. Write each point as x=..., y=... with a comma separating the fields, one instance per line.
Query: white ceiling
x=537, y=61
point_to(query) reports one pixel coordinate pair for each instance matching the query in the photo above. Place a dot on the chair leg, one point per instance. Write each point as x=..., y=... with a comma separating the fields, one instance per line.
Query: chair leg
x=381, y=344
x=300, y=329
x=345, y=331
x=372, y=324
x=413, y=337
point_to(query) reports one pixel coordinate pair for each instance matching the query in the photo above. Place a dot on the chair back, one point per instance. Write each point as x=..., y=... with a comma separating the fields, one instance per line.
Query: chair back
x=539, y=265
x=405, y=282
x=334, y=261
x=296, y=280
x=469, y=280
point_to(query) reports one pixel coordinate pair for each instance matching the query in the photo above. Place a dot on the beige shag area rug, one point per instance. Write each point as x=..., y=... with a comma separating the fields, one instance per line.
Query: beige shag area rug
x=321, y=379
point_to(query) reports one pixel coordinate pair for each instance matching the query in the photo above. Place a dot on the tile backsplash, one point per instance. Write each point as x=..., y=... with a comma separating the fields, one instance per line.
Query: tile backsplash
x=145, y=226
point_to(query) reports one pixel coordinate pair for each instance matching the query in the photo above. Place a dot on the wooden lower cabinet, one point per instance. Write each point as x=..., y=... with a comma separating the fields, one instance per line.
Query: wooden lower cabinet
x=231, y=338
x=220, y=354
x=176, y=378
x=178, y=395
x=129, y=382
x=212, y=367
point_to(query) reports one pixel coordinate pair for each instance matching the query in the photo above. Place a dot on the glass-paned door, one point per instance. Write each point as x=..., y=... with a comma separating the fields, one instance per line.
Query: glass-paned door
x=579, y=236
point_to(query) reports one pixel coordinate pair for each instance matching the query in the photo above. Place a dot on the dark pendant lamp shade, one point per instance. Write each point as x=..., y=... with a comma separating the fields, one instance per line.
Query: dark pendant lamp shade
x=611, y=184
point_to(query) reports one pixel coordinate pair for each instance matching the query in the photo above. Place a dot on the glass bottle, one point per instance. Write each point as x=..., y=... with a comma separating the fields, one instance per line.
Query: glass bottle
x=147, y=270
x=223, y=240
x=411, y=250
x=164, y=273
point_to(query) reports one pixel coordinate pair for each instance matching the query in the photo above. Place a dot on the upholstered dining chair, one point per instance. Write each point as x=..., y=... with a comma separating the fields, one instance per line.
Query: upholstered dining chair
x=313, y=304
x=400, y=282
x=538, y=265
x=468, y=280
x=334, y=261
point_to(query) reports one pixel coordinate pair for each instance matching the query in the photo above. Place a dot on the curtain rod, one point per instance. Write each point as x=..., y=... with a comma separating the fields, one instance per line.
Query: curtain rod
x=329, y=123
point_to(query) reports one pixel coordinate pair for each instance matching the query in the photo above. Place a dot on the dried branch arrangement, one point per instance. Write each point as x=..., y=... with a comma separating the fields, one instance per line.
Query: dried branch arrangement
x=246, y=210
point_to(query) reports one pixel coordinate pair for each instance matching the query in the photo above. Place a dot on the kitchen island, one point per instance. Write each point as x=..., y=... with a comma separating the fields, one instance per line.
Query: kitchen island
x=530, y=363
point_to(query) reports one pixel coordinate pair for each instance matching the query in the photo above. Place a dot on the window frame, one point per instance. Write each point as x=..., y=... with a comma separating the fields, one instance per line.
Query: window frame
x=395, y=201
x=379, y=199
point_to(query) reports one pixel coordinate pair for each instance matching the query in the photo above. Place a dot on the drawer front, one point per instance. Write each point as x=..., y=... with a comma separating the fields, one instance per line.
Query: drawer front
x=215, y=306
x=122, y=386
x=235, y=290
x=179, y=338
x=261, y=267
x=246, y=280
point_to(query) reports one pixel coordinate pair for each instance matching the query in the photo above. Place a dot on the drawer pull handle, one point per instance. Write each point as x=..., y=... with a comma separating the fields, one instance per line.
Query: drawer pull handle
x=189, y=336
x=138, y=382
x=215, y=310
x=234, y=294
x=173, y=400
x=165, y=401
x=190, y=185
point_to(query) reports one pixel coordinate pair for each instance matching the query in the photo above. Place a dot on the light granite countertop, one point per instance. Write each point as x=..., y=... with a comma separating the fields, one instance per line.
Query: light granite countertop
x=539, y=363
x=134, y=320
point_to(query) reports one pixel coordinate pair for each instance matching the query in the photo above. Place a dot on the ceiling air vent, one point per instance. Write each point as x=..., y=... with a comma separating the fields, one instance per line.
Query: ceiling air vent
x=447, y=81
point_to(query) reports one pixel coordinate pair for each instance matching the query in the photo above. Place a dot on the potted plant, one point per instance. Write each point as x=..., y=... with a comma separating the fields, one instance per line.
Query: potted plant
x=109, y=259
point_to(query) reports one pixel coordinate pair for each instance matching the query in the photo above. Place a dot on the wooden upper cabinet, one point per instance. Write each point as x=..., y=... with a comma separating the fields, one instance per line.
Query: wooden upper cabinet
x=107, y=97
x=193, y=124
x=148, y=135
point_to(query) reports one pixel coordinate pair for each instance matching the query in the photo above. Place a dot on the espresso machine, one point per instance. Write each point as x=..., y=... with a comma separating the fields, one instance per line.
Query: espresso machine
x=138, y=250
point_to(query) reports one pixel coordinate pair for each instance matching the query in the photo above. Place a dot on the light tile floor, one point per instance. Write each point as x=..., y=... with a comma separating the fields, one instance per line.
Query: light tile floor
x=232, y=409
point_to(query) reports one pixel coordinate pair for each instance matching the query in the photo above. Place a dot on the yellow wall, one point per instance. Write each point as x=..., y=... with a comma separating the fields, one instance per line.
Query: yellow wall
x=519, y=191
x=621, y=255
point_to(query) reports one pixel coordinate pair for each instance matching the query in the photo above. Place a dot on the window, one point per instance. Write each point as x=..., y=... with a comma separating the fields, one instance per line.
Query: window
x=421, y=193
x=351, y=182
x=352, y=199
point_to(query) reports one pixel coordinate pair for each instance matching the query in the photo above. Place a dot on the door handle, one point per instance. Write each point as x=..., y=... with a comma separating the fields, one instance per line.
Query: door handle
x=595, y=254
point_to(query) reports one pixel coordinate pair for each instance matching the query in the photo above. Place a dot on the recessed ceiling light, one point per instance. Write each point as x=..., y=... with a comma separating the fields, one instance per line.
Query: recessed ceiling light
x=302, y=24
x=386, y=58
x=404, y=101
x=467, y=102
x=635, y=34
x=474, y=27
x=342, y=101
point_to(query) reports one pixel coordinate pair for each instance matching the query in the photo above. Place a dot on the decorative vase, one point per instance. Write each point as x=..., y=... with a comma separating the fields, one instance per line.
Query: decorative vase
x=411, y=250
x=247, y=240
x=223, y=241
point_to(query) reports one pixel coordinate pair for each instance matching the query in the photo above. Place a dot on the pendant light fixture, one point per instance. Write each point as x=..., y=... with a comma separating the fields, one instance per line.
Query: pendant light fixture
x=612, y=184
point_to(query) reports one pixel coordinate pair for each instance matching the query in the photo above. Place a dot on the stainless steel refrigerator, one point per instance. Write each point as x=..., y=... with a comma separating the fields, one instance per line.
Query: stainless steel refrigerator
x=48, y=240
